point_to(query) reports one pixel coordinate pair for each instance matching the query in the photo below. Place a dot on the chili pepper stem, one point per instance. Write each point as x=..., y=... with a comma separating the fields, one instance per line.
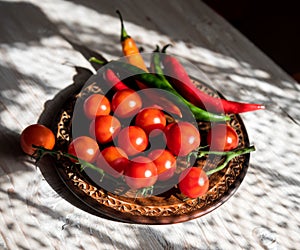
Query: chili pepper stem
x=124, y=34
x=96, y=60
x=164, y=49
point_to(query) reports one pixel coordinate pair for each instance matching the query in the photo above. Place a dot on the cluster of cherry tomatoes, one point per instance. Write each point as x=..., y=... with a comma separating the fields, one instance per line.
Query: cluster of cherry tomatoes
x=142, y=151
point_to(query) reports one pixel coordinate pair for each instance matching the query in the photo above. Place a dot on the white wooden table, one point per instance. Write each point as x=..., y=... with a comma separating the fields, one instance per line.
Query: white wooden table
x=37, y=61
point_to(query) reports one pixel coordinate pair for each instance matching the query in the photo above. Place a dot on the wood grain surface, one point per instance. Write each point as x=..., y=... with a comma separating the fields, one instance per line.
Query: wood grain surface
x=44, y=46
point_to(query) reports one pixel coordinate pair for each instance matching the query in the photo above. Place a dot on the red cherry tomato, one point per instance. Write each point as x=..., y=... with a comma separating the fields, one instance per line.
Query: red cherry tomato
x=132, y=140
x=165, y=131
x=113, y=160
x=222, y=137
x=165, y=163
x=193, y=182
x=167, y=128
x=84, y=148
x=95, y=105
x=141, y=172
x=126, y=103
x=105, y=128
x=152, y=120
x=38, y=135
x=182, y=138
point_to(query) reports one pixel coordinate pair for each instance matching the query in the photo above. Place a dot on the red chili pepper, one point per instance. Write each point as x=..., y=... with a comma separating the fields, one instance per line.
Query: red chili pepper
x=184, y=85
x=113, y=80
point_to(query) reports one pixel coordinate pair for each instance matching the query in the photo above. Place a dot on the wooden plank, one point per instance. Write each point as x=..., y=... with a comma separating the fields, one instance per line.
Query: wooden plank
x=37, y=59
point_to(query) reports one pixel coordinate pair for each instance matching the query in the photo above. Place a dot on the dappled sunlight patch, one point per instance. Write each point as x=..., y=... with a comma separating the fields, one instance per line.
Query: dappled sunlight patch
x=49, y=61
x=20, y=99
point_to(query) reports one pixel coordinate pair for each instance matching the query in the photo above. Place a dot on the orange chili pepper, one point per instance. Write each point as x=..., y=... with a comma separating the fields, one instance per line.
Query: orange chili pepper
x=130, y=48
x=134, y=57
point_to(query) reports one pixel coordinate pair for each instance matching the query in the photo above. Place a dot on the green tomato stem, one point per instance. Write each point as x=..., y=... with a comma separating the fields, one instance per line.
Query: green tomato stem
x=144, y=192
x=229, y=156
x=41, y=151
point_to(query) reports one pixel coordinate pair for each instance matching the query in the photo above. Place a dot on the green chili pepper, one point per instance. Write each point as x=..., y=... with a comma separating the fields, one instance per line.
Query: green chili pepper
x=153, y=81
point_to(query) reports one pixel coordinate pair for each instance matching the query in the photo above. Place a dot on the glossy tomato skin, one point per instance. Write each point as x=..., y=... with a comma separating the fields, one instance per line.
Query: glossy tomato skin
x=38, y=135
x=126, y=103
x=165, y=132
x=105, y=128
x=182, y=138
x=141, y=172
x=151, y=120
x=84, y=148
x=113, y=160
x=95, y=105
x=193, y=182
x=132, y=140
x=165, y=163
x=222, y=137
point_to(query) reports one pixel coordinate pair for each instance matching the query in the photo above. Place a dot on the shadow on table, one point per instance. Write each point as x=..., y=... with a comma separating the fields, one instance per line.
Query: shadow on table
x=23, y=22
x=10, y=150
